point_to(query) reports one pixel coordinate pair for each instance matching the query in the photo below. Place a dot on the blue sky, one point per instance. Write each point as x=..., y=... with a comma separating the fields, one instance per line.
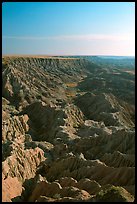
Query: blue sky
x=68, y=28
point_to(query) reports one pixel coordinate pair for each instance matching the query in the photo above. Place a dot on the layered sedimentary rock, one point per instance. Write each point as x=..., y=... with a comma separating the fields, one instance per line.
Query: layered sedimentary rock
x=68, y=131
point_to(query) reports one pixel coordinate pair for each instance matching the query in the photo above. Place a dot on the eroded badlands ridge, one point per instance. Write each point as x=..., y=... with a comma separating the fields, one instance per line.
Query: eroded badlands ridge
x=67, y=131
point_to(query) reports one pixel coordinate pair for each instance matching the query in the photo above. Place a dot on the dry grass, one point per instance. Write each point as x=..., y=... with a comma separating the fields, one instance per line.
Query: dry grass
x=70, y=93
x=71, y=84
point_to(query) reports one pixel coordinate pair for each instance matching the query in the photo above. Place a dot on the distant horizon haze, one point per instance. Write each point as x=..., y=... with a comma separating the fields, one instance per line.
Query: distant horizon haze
x=70, y=55
x=68, y=28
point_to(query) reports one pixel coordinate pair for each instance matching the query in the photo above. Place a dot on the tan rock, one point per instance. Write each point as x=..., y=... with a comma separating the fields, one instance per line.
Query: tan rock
x=67, y=181
x=45, y=189
x=23, y=159
x=74, y=193
x=92, y=187
x=11, y=188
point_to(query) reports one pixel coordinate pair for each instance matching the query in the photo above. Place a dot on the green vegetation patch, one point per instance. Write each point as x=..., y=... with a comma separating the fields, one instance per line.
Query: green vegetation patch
x=114, y=194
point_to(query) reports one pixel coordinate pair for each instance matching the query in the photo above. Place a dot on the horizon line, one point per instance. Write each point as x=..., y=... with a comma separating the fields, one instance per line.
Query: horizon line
x=68, y=55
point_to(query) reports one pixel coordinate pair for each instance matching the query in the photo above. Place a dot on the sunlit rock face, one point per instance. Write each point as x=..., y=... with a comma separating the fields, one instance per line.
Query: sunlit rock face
x=68, y=131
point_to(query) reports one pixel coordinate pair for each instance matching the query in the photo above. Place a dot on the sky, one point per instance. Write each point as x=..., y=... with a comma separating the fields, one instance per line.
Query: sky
x=68, y=28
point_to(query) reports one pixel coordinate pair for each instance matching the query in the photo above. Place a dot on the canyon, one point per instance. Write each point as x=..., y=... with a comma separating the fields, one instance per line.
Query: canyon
x=68, y=130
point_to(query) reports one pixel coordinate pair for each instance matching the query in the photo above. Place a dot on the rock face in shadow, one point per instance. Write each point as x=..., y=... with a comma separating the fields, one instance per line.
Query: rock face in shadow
x=107, y=108
x=68, y=131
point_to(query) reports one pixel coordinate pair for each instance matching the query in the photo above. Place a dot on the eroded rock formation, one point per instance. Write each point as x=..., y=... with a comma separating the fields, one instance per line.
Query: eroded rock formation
x=67, y=133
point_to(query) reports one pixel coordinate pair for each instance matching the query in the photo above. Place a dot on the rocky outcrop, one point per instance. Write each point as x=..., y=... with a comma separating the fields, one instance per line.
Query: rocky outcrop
x=67, y=181
x=45, y=188
x=91, y=186
x=99, y=146
x=55, y=191
x=78, y=168
x=22, y=85
x=107, y=108
x=11, y=188
x=48, y=123
x=28, y=159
